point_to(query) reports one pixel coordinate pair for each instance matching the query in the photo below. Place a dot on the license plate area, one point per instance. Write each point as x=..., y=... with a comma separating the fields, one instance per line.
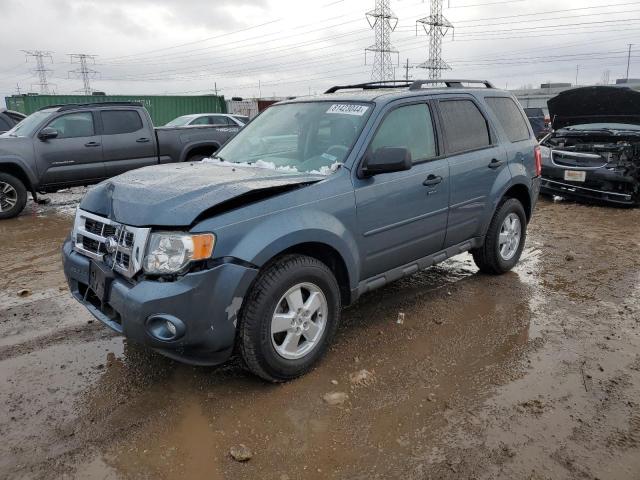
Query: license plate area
x=575, y=175
x=100, y=278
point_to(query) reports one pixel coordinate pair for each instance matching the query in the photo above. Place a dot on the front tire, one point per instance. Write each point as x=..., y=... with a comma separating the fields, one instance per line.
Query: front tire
x=13, y=196
x=505, y=239
x=290, y=316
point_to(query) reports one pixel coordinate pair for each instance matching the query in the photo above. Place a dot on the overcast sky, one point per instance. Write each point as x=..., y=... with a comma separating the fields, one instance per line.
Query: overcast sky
x=293, y=47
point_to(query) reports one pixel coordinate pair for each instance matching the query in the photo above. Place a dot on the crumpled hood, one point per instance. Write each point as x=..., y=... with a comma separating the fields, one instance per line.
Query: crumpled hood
x=176, y=194
x=600, y=104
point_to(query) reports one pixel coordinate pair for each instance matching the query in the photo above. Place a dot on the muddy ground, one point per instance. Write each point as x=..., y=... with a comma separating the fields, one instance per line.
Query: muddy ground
x=531, y=375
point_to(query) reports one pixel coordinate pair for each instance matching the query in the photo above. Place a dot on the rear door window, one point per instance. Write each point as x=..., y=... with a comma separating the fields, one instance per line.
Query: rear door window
x=116, y=122
x=409, y=127
x=201, y=121
x=220, y=121
x=74, y=125
x=510, y=117
x=464, y=126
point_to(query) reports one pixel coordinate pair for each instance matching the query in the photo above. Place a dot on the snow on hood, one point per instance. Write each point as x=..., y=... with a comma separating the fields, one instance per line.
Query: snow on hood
x=600, y=104
x=325, y=170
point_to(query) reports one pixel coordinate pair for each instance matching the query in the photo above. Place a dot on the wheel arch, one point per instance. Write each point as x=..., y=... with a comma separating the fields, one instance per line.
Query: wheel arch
x=18, y=171
x=326, y=254
x=520, y=192
x=200, y=148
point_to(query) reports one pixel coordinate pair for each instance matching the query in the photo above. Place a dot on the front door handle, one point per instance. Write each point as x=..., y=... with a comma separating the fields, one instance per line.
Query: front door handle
x=142, y=140
x=495, y=163
x=92, y=144
x=432, y=180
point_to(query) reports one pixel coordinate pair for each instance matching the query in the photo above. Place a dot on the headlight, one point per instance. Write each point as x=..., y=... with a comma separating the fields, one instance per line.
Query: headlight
x=170, y=252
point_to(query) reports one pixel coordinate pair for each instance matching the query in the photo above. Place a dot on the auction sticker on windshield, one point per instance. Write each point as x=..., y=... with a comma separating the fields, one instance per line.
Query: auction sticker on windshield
x=348, y=109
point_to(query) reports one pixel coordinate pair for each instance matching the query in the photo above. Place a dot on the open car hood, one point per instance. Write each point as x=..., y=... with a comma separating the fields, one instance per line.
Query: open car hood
x=600, y=104
x=176, y=194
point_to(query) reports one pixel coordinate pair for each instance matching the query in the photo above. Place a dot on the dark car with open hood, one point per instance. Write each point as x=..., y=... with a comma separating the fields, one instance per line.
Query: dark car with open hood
x=593, y=153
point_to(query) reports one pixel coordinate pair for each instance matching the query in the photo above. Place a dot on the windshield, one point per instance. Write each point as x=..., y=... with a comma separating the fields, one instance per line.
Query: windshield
x=604, y=126
x=180, y=121
x=29, y=125
x=299, y=137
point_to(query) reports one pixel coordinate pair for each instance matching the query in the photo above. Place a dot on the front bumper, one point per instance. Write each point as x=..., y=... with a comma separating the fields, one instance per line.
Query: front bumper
x=207, y=302
x=601, y=186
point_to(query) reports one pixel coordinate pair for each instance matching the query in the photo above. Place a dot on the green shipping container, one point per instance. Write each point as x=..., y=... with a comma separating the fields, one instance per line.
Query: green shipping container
x=162, y=108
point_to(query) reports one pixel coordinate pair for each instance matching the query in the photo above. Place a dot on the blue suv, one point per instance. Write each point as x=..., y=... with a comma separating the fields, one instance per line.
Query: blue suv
x=315, y=202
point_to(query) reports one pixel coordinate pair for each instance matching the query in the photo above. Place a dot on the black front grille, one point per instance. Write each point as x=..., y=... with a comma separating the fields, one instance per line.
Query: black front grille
x=94, y=227
x=128, y=240
x=92, y=245
x=99, y=228
x=566, y=159
x=123, y=259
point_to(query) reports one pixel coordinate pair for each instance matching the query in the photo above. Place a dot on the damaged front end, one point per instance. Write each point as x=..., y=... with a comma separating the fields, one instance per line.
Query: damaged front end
x=593, y=165
x=594, y=152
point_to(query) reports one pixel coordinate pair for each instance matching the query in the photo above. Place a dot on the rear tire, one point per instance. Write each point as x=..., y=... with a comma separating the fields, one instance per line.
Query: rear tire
x=272, y=329
x=505, y=239
x=13, y=196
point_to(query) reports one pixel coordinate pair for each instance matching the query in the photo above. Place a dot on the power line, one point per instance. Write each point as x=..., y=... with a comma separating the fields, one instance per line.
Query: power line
x=83, y=71
x=436, y=26
x=383, y=21
x=40, y=69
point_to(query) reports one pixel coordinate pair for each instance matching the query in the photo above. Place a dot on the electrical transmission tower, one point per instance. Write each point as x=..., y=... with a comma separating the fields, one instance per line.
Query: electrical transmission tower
x=40, y=70
x=383, y=21
x=83, y=71
x=436, y=27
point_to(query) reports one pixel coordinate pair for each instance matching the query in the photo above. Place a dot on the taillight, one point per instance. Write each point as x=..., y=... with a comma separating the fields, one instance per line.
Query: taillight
x=538, y=157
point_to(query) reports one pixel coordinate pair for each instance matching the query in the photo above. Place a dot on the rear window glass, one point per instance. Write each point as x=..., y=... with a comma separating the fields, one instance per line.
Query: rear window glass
x=120, y=121
x=464, y=126
x=4, y=124
x=510, y=118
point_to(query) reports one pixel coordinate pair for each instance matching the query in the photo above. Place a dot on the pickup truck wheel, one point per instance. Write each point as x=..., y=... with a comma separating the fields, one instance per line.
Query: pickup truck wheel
x=198, y=157
x=289, y=318
x=13, y=196
x=505, y=239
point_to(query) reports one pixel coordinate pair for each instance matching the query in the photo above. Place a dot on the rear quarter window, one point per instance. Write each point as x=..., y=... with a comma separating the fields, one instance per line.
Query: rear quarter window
x=4, y=124
x=464, y=126
x=510, y=117
x=116, y=122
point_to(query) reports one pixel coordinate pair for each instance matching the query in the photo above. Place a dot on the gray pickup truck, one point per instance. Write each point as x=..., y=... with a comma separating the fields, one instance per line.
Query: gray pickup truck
x=315, y=202
x=73, y=145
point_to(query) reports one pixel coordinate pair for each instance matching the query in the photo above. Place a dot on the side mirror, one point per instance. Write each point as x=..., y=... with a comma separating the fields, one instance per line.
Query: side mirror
x=387, y=160
x=47, y=134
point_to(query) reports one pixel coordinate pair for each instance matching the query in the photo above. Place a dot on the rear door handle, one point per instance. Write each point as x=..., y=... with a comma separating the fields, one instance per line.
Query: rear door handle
x=432, y=180
x=142, y=140
x=495, y=163
x=92, y=144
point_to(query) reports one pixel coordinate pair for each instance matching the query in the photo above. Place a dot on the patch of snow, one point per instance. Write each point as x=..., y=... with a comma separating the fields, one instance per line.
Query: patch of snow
x=324, y=170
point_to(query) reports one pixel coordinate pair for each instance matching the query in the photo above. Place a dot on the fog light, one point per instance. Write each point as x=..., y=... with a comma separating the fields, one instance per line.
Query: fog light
x=165, y=327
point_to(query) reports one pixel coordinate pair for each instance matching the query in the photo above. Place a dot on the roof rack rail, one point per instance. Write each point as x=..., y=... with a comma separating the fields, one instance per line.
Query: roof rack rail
x=71, y=106
x=418, y=84
x=373, y=85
